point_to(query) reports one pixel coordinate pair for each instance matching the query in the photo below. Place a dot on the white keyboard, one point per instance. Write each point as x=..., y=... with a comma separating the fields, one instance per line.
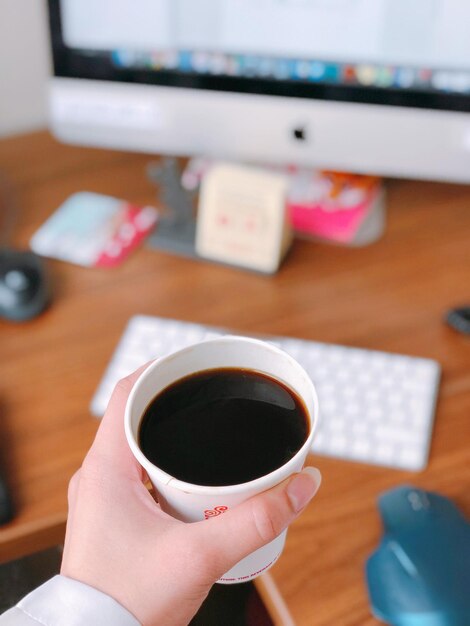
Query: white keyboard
x=375, y=407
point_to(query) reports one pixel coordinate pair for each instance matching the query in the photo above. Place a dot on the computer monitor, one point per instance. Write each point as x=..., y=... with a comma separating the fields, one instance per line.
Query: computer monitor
x=373, y=86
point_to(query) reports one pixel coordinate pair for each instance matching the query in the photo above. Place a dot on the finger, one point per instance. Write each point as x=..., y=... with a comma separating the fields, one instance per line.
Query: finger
x=259, y=520
x=110, y=442
x=73, y=488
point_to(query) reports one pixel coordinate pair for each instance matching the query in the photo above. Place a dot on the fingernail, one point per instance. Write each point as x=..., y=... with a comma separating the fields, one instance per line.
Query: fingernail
x=303, y=487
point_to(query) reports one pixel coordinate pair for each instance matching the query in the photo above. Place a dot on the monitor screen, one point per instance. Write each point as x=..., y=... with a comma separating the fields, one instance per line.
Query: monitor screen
x=374, y=86
x=399, y=52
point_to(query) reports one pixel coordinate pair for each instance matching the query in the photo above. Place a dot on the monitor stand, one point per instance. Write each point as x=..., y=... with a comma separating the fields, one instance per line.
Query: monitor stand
x=176, y=230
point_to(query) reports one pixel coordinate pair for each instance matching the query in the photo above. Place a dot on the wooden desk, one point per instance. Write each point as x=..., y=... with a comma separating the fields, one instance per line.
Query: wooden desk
x=390, y=296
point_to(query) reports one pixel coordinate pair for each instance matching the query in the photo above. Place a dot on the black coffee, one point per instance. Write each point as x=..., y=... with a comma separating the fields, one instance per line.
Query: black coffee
x=223, y=427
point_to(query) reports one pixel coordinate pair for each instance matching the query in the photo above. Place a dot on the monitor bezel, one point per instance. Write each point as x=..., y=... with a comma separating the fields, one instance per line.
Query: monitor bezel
x=70, y=63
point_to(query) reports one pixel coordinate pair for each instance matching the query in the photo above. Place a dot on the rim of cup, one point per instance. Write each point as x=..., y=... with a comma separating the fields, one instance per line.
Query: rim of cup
x=266, y=480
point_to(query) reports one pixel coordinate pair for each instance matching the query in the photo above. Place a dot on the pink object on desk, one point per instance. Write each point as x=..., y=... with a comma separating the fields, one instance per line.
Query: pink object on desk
x=131, y=229
x=331, y=205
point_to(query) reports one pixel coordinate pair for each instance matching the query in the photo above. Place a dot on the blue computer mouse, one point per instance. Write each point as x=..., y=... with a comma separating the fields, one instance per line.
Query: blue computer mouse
x=420, y=573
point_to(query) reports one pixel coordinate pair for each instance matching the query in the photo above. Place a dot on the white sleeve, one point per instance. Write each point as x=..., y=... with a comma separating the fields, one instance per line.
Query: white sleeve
x=62, y=601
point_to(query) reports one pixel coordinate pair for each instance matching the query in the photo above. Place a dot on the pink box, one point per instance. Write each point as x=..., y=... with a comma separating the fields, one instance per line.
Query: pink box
x=332, y=205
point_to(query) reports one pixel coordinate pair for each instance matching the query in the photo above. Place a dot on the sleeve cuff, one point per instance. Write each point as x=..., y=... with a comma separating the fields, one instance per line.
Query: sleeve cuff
x=62, y=600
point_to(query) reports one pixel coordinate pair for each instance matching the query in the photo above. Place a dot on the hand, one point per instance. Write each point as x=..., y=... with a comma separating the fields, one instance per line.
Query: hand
x=119, y=541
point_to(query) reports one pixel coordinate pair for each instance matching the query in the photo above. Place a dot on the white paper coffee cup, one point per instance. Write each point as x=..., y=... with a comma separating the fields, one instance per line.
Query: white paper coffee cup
x=189, y=502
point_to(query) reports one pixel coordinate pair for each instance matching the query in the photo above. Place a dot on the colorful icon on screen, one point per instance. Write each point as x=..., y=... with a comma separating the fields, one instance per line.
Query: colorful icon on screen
x=366, y=74
x=317, y=70
x=349, y=74
x=385, y=77
x=405, y=77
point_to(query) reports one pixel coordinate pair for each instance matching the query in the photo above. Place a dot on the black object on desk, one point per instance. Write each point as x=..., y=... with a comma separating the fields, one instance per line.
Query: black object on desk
x=24, y=291
x=6, y=506
x=459, y=319
x=233, y=605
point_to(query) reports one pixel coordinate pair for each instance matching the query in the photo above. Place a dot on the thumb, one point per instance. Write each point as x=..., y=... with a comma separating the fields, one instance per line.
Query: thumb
x=259, y=520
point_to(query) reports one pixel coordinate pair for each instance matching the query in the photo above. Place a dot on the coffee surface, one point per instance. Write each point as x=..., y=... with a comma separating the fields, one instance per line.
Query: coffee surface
x=223, y=427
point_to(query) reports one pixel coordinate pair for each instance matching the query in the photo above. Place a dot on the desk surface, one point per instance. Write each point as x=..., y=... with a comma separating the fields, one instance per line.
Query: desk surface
x=389, y=296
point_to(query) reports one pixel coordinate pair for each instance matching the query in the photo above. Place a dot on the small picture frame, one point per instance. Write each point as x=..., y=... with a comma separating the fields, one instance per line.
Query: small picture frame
x=242, y=219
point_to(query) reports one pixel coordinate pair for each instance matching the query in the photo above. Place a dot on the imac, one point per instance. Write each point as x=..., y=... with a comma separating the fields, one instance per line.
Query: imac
x=369, y=86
